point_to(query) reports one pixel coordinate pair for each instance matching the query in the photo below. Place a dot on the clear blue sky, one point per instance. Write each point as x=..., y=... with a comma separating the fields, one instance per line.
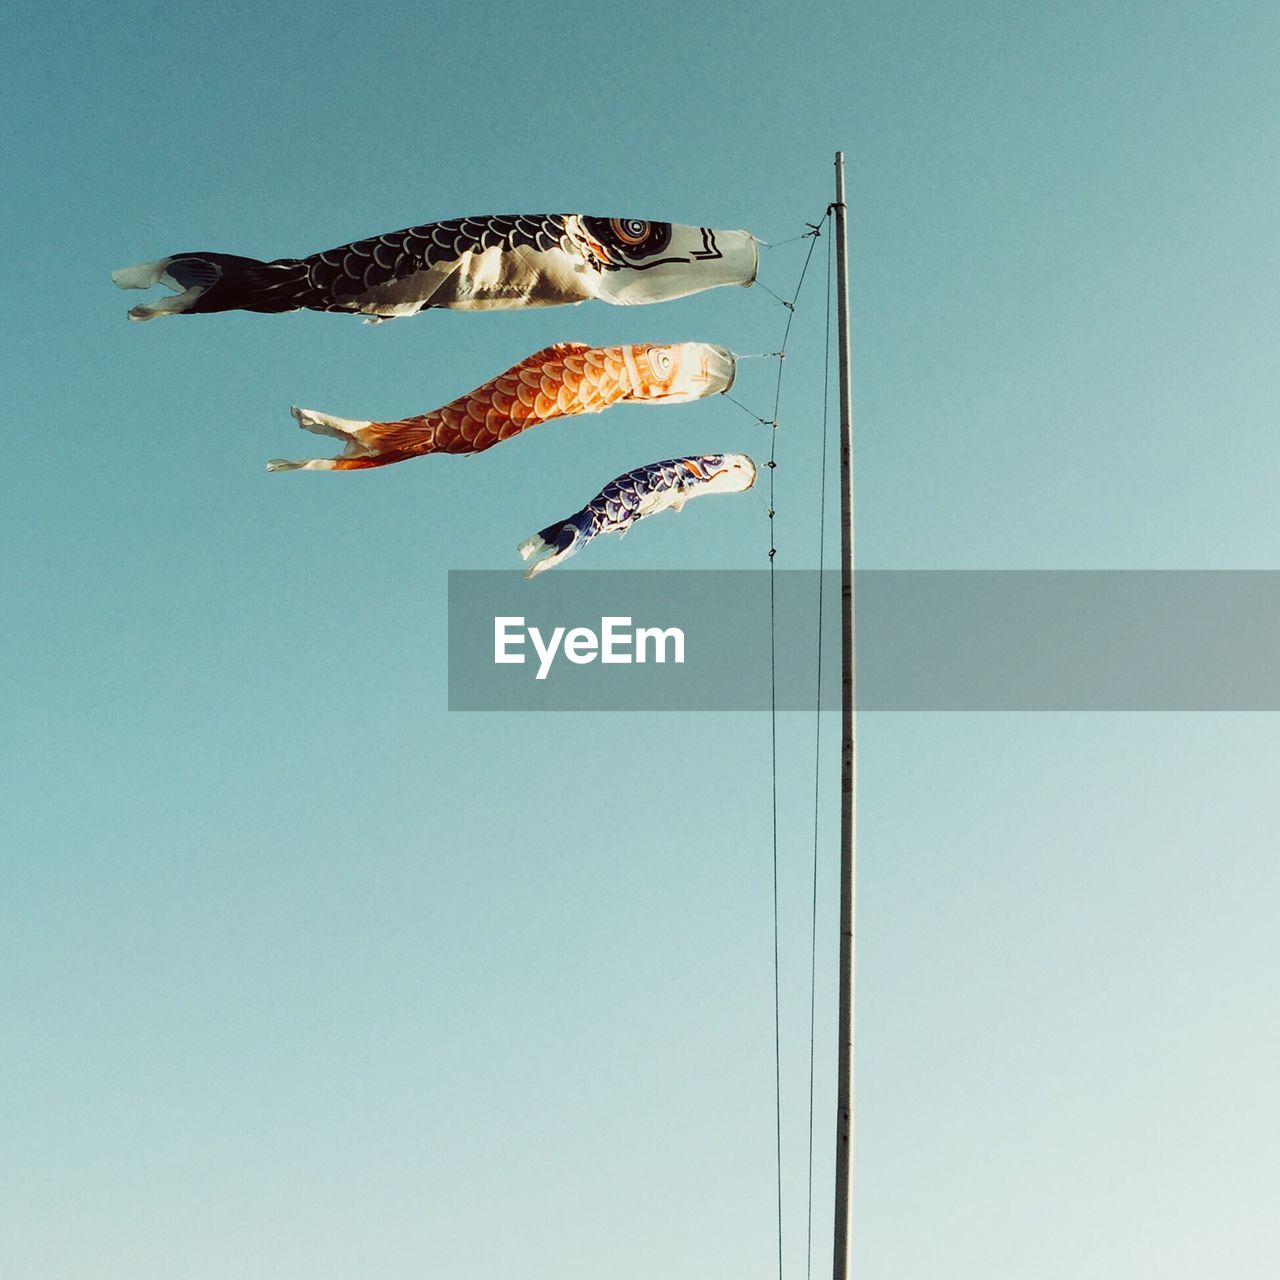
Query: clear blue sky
x=302, y=976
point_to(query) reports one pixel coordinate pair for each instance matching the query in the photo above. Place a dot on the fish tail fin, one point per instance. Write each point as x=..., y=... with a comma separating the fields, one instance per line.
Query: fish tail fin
x=378, y=442
x=359, y=454
x=309, y=464
x=205, y=282
x=351, y=431
x=143, y=276
x=557, y=542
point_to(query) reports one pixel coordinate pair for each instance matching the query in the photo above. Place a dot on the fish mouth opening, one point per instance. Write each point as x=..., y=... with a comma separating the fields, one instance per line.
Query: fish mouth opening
x=732, y=362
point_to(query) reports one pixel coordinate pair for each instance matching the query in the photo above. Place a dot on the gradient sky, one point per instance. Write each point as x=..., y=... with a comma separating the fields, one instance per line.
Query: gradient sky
x=303, y=977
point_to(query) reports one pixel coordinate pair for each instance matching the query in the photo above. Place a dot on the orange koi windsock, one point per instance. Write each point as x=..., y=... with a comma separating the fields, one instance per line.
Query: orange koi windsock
x=558, y=382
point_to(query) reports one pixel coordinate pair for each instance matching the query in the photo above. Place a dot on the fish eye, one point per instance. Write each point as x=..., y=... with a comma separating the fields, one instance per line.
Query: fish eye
x=632, y=232
x=661, y=360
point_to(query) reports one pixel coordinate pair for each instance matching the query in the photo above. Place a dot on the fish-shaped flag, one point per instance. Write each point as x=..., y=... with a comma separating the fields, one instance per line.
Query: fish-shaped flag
x=475, y=264
x=557, y=382
x=657, y=486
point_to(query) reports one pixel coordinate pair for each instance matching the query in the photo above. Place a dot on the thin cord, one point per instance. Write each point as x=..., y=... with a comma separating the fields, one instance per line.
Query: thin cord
x=773, y=779
x=772, y=423
x=817, y=757
x=761, y=285
x=764, y=422
x=789, y=240
x=773, y=767
x=777, y=244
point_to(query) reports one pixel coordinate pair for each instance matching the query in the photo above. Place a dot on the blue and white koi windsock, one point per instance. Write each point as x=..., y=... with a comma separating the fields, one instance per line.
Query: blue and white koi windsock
x=470, y=264
x=657, y=486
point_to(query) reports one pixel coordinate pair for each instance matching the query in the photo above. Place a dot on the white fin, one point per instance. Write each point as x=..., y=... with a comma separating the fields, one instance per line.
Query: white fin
x=535, y=546
x=313, y=464
x=174, y=306
x=143, y=276
x=326, y=424
x=549, y=556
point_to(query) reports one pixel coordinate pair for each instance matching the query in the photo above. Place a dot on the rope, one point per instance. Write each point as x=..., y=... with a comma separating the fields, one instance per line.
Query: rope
x=764, y=422
x=777, y=244
x=817, y=757
x=772, y=424
x=790, y=306
x=773, y=769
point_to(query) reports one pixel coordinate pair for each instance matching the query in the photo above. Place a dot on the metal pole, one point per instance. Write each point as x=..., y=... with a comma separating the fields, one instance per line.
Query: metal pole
x=848, y=762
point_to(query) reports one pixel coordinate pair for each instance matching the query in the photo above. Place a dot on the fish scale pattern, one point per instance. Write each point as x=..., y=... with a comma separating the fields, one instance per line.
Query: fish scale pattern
x=472, y=264
x=644, y=491
x=568, y=378
x=343, y=274
x=622, y=501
